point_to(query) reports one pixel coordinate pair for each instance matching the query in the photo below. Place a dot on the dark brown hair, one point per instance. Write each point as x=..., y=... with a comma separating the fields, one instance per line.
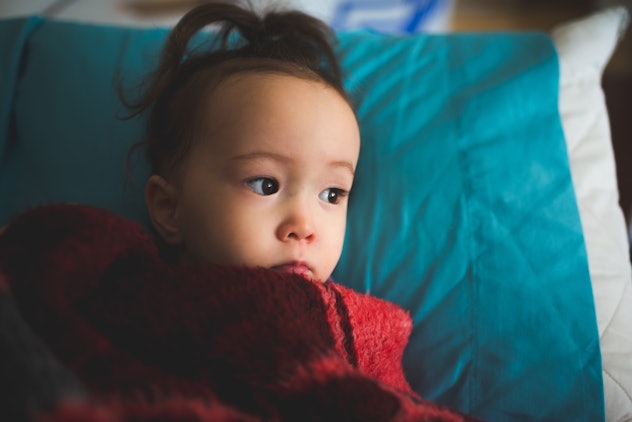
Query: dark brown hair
x=288, y=42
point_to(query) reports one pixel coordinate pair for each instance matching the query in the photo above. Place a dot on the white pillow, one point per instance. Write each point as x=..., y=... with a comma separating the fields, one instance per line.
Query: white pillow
x=584, y=48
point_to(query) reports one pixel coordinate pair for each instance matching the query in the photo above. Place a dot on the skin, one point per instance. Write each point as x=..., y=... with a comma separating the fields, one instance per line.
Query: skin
x=266, y=183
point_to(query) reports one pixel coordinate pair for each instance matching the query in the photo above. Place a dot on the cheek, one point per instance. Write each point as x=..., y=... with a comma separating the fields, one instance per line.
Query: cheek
x=335, y=238
x=336, y=229
x=226, y=232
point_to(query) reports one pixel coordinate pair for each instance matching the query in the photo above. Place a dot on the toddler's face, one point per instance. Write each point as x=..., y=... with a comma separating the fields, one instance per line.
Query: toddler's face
x=266, y=184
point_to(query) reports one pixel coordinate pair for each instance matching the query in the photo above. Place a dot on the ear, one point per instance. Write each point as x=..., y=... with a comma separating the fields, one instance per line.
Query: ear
x=162, y=200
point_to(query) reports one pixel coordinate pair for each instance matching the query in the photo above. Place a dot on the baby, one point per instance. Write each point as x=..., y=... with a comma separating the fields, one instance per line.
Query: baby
x=253, y=147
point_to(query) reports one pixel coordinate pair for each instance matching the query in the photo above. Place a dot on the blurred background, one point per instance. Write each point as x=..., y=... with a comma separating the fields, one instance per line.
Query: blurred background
x=400, y=16
x=477, y=15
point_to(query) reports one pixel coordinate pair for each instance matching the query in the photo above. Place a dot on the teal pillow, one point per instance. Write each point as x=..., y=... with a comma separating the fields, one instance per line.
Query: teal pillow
x=463, y=209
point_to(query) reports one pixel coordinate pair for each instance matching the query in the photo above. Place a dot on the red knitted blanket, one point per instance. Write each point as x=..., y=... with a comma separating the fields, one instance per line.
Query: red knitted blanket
x=96, y=326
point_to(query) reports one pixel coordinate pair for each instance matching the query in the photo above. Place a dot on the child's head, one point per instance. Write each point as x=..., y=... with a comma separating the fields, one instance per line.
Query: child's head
x=253, y=146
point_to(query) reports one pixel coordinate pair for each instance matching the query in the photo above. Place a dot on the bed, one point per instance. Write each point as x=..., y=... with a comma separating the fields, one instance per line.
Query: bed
x=485, y=202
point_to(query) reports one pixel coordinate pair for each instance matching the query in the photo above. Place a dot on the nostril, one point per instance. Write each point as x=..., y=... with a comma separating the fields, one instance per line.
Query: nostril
x=296, y=228
x=300, y=236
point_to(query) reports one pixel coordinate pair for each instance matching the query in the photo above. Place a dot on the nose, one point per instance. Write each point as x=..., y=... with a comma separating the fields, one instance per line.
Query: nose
x=297, y=224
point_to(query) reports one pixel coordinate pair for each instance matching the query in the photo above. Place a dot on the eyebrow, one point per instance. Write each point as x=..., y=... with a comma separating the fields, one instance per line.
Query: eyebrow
x=284, y=159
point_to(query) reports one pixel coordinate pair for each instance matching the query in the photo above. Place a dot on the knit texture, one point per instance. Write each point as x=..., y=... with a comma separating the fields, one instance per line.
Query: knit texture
x=96, y=326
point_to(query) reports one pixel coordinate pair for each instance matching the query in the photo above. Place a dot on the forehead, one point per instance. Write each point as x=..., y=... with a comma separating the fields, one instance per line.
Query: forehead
x=266, y=109
x=268, y=86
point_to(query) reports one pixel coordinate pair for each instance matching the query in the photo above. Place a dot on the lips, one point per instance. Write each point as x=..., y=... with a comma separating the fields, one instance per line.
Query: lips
x=299, y=268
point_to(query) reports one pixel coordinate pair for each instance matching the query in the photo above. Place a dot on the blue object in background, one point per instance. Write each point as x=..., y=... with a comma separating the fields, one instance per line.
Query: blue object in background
x=392, y=16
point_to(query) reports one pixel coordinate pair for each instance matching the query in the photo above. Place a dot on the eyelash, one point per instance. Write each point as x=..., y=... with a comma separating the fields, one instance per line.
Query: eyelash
x=274, y=185
x=340, y=194
x=266, y=186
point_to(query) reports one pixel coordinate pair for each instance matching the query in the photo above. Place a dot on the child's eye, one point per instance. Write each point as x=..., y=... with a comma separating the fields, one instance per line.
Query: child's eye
x=332, y=195
x=263, y=185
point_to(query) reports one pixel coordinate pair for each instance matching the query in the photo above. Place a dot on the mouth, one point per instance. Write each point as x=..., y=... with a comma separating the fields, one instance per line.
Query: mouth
x=299, y=268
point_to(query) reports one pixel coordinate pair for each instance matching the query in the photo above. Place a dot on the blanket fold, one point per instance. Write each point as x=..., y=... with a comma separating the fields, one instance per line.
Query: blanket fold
x=120, y=335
